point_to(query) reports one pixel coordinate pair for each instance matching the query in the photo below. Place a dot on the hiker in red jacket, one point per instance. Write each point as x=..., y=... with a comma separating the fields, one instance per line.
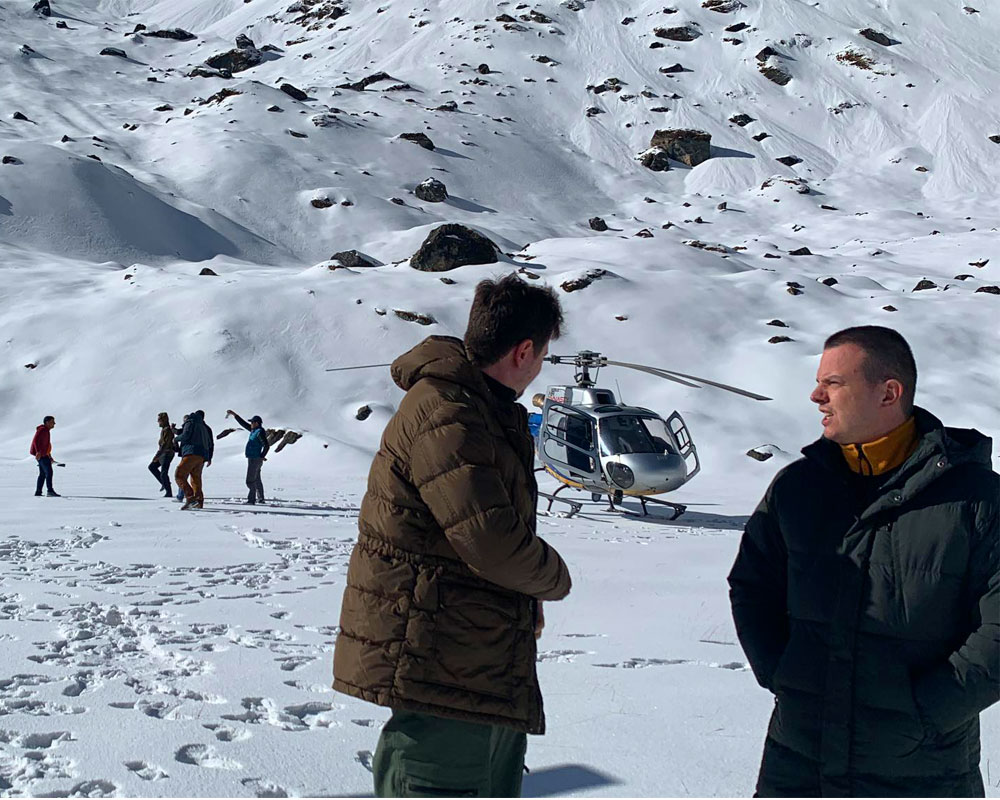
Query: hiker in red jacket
x=41, y=449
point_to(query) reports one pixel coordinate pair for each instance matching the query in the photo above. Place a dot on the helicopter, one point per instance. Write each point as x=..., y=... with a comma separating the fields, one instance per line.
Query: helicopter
x=589, y=441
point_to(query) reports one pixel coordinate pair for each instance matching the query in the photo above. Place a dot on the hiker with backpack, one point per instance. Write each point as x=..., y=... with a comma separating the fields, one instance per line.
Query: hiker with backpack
x=197, y=448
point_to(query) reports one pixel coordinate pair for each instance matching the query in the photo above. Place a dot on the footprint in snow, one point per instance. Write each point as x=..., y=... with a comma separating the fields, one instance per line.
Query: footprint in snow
x=561, y=656
x=263, y=788
x=292, y=663
x=227, y=733
x=147, y=772
x=203, y=755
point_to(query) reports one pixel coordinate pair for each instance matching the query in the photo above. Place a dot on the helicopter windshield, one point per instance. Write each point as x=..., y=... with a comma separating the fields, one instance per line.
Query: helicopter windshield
x=631, y=434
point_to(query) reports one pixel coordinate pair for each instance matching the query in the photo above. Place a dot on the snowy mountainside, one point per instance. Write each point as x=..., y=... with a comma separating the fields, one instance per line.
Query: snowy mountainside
x=127, y=177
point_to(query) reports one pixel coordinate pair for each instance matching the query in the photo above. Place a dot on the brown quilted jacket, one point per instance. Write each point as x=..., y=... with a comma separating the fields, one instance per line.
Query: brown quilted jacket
x=438, y=613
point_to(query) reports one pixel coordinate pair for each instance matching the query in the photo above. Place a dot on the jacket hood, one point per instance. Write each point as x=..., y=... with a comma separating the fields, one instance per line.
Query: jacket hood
x=441, y=357
x=198, y=415
x=41, y=428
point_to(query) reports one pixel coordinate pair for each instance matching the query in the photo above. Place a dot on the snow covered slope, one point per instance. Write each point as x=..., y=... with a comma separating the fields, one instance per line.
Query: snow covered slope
x=124, y=177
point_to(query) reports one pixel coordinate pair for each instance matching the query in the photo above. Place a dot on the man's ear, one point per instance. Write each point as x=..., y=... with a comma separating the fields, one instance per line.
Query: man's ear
x=523, y=351
x=892, y=393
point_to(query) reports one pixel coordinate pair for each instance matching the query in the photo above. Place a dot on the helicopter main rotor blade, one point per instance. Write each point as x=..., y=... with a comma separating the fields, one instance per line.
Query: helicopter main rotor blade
x=361, y=366
x=676, y=376
x=654, y=371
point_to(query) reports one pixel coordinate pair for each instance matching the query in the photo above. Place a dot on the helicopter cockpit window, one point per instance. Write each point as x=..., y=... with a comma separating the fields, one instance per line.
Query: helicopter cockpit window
x=630, y=434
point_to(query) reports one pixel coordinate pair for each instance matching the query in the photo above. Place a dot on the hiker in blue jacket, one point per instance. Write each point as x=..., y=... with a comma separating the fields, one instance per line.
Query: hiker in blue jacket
x=256, y=453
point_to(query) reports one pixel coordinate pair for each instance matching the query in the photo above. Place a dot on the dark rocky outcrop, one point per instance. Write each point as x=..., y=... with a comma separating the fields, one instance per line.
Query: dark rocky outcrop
x=451, y=246
x=690, y=147
x=576, y=284
x=421, y=139
x=878, y=37
x=741, y=119
x=245, y=56
x=988, y=290
x=759, y=455
x=775, y=71
x=483, y=69
x=413, y=316
x=597, y=224
x=294, y=92
x=723, y=6
x=779, y=340
x=801, y=251
x=681, y=33
x=117, y=52
x=42, y=8
x=655, y=159
x=364, y=83
x=789, y=161
x=177, y=34
x=363, y=413
x=431, y=191
x=208, y=271
x=924, y=284
x=352, y=259
x=12, y=160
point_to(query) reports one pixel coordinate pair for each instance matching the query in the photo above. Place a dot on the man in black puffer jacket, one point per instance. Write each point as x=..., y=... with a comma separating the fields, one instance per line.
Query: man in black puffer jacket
x=866, y=592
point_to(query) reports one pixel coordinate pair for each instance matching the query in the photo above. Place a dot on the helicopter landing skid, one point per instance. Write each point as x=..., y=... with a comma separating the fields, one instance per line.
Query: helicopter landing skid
x=574, y=507
x=678, y=508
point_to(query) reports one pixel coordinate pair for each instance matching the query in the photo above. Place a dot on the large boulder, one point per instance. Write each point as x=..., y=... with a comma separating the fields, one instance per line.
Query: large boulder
x=177, y=34
x=431, y=191
x=42, y=8
x=878, y=37
x=451, y=246
x=687, y=146
x=352, y=259
x=682, y=33
x=421, y=139
x=294, y=92
x=245, y=56
x=655, y=159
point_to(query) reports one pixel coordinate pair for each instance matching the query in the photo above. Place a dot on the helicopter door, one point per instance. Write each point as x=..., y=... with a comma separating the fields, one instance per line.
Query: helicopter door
x=685, y=444
x=568, y=442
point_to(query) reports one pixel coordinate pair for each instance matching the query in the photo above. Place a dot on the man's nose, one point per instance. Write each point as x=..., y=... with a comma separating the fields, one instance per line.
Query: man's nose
x=818, y=396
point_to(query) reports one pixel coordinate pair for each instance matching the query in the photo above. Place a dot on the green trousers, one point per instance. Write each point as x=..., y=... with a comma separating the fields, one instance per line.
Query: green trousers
x=420, y=755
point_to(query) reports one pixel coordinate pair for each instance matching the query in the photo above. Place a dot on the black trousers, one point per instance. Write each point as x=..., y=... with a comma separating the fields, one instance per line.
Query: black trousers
x=160, y=467
x=254, y=483
x=44, y=474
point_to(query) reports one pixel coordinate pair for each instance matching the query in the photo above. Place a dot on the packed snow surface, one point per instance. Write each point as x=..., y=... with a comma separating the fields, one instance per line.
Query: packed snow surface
x=149, y=651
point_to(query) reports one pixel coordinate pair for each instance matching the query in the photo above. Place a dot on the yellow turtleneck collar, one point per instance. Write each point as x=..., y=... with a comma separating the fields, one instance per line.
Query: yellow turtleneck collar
x=885, y=454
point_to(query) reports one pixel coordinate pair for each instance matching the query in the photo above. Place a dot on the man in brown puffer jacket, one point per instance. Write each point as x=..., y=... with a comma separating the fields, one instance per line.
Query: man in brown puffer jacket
x=442, y=605
x=160, y=465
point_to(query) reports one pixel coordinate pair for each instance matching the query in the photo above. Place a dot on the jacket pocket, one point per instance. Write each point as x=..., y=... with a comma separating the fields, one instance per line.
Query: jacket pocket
x=420, y=779
x=474, y=641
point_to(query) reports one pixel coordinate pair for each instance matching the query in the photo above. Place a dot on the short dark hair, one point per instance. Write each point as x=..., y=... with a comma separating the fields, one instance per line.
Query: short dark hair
x=48, y=418
x=507, y=311
x=887, y=356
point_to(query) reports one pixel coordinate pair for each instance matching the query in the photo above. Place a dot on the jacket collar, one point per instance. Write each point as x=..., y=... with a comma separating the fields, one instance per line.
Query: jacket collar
x=938, y=450
x=883, y=454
